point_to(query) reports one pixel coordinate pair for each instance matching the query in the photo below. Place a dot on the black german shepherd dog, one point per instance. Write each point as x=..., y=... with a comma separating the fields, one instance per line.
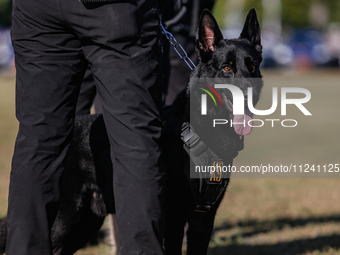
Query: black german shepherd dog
x=86, y=194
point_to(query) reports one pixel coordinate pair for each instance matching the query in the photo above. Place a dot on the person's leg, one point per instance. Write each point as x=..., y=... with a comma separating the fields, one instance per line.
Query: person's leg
x=49, y=67
x=133, y=126
x=87, y=95
x=124, y=56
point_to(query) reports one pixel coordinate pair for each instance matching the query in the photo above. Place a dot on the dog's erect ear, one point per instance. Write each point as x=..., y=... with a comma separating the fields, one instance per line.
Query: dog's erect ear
x=251, y=30
x=209, y=33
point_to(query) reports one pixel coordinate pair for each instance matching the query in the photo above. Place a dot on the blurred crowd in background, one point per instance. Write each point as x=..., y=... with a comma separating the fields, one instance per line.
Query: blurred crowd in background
x=296, y=35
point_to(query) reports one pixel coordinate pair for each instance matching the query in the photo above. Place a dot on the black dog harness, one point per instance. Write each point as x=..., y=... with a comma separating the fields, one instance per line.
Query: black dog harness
x=211, y=187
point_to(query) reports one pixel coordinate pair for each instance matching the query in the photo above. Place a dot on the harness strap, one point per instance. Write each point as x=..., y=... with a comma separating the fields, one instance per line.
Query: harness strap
x=193, y=144
x=201, y=155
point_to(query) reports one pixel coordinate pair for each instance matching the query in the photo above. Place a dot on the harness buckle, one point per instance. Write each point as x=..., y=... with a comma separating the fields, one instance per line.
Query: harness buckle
x=191, y=140
x=202, y=208
x=188, y=137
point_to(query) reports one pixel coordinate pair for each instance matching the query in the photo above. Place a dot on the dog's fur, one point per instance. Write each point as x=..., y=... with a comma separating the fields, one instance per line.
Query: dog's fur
x=86, y=194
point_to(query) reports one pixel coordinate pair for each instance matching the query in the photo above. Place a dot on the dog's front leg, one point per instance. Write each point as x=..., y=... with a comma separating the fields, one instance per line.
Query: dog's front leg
x=199, y=232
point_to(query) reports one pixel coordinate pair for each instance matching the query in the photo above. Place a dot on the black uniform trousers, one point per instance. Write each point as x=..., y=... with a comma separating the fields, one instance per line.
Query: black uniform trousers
x=53, y=40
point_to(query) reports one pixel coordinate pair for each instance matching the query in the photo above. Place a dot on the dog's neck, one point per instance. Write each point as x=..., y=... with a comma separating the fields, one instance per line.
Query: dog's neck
x=225, y=144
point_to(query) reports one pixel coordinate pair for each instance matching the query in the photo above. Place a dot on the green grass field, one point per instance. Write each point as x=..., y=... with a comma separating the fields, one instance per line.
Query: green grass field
x=258, y=215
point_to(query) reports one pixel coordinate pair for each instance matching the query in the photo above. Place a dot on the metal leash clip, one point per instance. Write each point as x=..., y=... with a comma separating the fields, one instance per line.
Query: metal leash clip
x=178, y=48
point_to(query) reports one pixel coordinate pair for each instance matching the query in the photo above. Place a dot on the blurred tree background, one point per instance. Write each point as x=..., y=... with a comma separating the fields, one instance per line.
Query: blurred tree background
x=5, y=12
x=294, y=13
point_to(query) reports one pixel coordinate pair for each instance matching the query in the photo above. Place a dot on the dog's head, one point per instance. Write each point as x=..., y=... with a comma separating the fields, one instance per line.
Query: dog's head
x=237, y=60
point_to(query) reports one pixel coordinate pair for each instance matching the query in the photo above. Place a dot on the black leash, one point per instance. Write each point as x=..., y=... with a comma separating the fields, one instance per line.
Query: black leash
x=178, y=48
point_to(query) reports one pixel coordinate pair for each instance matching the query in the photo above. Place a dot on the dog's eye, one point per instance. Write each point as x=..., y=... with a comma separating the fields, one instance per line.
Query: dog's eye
x=253, y=67
x=227, y=68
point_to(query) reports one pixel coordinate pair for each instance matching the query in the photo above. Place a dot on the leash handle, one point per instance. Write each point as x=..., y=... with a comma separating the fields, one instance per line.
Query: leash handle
x=178, y=48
